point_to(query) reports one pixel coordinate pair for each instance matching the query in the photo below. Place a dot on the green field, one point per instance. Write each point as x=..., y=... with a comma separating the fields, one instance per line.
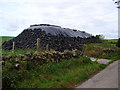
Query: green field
x=111, y=41
x=4, y=38
x=65, y=74
x=97, y=50
x=8, y=52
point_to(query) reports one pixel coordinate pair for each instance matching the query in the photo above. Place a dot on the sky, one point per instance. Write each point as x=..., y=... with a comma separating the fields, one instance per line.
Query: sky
x=93, y=16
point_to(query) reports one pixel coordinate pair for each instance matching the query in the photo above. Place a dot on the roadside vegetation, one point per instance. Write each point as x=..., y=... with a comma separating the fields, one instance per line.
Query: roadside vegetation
x=26, y=69
x=107, y=50
x=64, y=74
x=118, y=43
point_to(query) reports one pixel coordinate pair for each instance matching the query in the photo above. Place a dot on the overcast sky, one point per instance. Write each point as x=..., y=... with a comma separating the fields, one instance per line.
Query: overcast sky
x=92, y=16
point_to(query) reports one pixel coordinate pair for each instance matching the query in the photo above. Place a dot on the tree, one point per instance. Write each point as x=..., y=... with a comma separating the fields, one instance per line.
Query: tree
x=118, y=43
x=101, y=37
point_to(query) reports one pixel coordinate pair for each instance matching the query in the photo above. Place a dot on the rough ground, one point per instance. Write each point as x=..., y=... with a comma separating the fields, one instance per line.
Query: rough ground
x=108, y=78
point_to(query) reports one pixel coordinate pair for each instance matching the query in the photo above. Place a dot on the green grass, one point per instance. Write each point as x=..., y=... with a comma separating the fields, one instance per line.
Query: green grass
x=2, y=40
x=65, y=74
x=111, y=41
x=17, y=51
x=111, y=56
x=8, y=52
x=5, y=38
x=96, y=50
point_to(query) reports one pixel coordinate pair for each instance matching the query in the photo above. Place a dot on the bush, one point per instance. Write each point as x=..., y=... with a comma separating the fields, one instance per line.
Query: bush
x=93, y=51
x=9, y=79
x=85, y=59
x=118, y=43
x=101, y=37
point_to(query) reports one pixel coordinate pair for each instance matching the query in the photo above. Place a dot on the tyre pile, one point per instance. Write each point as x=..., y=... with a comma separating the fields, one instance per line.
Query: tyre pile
x=59, y=42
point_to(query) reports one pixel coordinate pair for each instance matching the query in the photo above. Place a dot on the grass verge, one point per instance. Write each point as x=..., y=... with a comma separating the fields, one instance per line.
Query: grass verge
x=102, y=50
x=64, y=74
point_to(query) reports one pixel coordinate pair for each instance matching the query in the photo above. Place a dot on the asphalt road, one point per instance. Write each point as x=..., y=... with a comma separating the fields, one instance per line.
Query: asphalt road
x=107, y=78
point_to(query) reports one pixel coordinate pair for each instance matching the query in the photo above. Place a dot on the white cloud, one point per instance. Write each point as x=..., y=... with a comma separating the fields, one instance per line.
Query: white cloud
x=93, y=16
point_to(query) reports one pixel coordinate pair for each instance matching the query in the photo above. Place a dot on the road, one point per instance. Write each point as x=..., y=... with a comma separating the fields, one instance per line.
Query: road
x=107, y=78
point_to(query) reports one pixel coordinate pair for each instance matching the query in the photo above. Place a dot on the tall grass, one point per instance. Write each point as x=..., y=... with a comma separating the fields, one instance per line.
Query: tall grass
x=97, y=50
x=65, y=74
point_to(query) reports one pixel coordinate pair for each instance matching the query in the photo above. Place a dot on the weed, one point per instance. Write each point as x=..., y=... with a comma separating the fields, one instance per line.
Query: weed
x=52, y=75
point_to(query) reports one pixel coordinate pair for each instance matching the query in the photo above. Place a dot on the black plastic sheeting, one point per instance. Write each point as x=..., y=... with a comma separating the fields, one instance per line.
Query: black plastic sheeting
x=57, y=30
x=56, y=37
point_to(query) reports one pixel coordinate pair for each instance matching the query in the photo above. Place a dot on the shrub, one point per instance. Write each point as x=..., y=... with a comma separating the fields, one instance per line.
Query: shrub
x=118, y=43
x=101, y=37
x=86, y=60
x=93, y=51
x=9, y=79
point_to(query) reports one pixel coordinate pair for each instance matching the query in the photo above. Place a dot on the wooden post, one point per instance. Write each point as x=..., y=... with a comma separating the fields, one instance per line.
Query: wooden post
x=38, y=48
x=13, y=47
x=47, y=48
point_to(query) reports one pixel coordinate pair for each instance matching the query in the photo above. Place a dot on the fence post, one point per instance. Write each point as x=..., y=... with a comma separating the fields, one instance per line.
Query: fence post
x=38, y=48
x=13, y=47
x=47, y=48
